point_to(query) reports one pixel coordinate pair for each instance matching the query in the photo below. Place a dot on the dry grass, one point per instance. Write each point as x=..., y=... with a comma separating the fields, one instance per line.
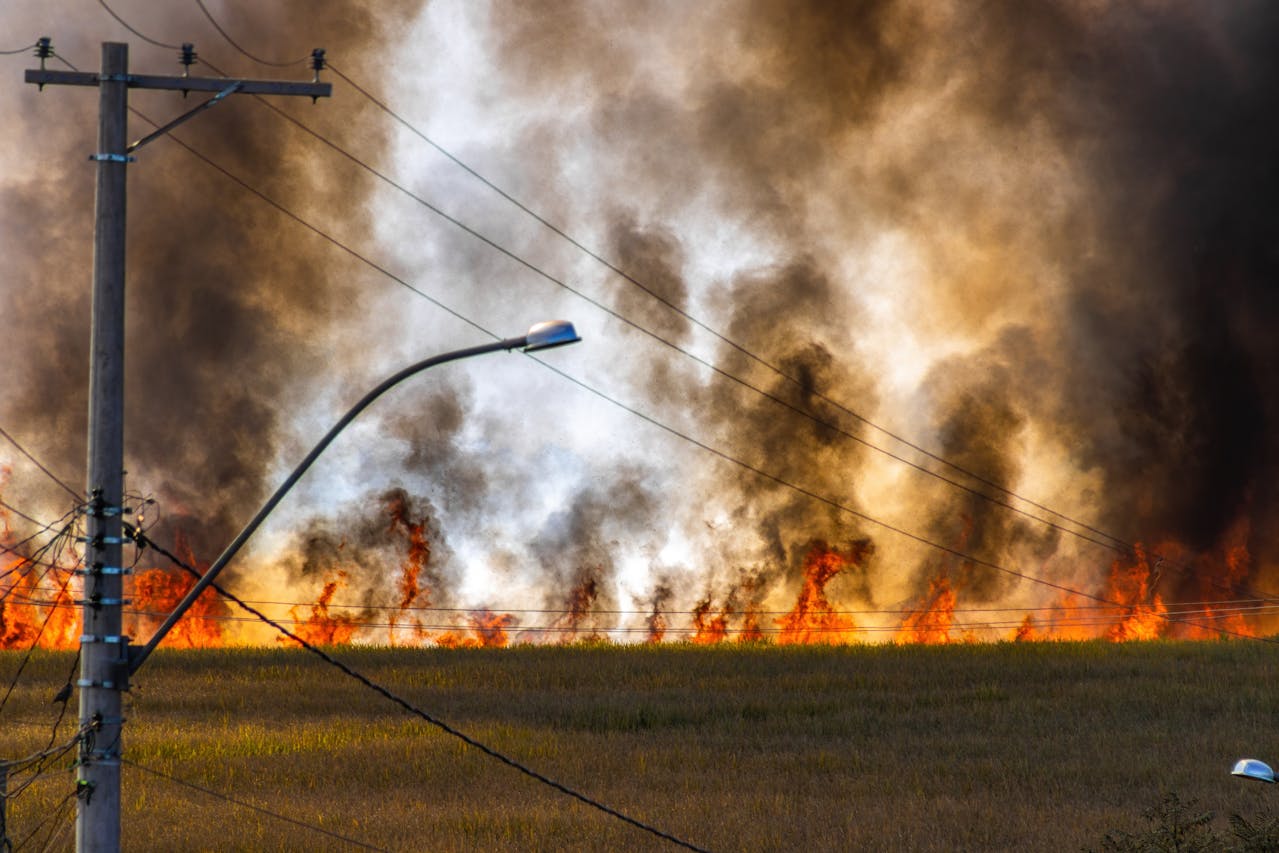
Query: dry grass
x=988, y=747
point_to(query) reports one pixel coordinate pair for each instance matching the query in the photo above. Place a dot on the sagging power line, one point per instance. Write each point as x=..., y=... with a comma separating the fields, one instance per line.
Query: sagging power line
x=1115, y=543
x=725, y=456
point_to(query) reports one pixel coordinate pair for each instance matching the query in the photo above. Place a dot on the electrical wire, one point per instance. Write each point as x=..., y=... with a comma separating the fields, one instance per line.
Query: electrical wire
x=19, y=513
x=55, y=814
x=36, y=764
x=972, y=559
x=1241, y=605
x=605, y=396
x=13, y=683
x=1111, y=616
x=236, y=45
x=837, y=505
x=422, y=714
x=122, y=22
x=22, y=49
x=709, y=365
x=38, y=464
x=779, y=372
x=247, y=805
x=618, y=316
x=1115, y=544
x=15, y=547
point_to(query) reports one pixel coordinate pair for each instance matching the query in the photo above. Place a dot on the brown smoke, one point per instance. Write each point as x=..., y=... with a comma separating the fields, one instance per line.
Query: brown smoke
x=231, y=307
x=1037, y=239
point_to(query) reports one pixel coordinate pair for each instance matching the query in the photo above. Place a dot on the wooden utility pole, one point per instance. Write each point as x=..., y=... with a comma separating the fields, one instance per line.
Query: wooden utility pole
x=104, y=651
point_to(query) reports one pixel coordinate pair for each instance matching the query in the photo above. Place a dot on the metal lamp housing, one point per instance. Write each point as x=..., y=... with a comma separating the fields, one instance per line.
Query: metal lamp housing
x=1251, y=768
x=548, y=334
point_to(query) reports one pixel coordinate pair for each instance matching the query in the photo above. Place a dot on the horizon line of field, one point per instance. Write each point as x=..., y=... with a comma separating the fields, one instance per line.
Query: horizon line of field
x=763, y=631
x=1178, y=608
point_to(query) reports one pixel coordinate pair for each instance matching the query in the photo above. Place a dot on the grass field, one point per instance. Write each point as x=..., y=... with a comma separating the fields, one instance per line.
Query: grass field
x=1036, y=746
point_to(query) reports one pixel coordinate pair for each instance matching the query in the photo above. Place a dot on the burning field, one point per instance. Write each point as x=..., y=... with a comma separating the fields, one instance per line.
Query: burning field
x=935, y=323
x=39, y=606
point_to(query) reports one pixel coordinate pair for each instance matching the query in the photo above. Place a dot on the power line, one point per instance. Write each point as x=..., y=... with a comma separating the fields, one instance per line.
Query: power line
x=122, y=22
x=144, y=541
x=595, y=391
x=798, y=383
x=1248, y=605
x=56, y=814
x=620, y=317
x=22, y=49
x=19, y=513
x=1064, y=616
x=1116, y=543
x=539, y=271
x=26, y=658
x=236, y=45
x=13, y=547
x=355, y=842
x=40, y=465
x=834, y=504
x=603, y=395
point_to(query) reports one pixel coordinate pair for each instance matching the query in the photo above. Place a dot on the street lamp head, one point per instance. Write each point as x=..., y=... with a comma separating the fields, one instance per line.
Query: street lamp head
x=551, y=333
x=1251, y=768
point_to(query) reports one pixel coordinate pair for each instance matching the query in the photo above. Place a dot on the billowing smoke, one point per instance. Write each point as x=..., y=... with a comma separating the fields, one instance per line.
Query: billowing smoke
x=229, y=304
x=1036, y=239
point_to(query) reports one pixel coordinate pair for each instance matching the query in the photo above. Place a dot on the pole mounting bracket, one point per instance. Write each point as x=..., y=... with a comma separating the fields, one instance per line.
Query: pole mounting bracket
x=235, y=86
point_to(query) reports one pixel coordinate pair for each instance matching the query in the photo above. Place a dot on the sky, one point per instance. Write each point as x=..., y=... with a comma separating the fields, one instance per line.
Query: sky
x=820, y=248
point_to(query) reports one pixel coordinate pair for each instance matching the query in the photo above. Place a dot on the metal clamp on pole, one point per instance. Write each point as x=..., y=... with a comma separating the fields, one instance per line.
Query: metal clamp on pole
x=99, y=541
x=235, y=86
x=102, y=570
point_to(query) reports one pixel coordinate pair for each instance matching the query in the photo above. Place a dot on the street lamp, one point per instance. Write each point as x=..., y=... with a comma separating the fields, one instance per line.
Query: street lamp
x=1251, y=768
x=541, y=336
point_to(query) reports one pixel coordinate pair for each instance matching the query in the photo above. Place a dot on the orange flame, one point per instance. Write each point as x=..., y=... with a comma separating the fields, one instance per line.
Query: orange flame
x=578, y=607
x=33, y=612
x=36, y=605
x=414, y=564
x=813, y=619
x=322, y=628
x=709, y=630
x=656, y=619
x=932, y=621
x=1026, y=632
x=156, y=593
x=1142, y=609
x=488, y=629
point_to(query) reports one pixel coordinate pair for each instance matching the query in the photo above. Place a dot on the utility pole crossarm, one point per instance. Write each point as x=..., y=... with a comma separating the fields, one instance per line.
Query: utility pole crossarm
x=42, y=77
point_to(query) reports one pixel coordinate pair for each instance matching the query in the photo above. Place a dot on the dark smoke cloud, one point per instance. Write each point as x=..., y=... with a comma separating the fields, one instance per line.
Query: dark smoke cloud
x=578, y=546
x=229, y=304
x=1082, y=206
x=1167, y=372
x=369, y=547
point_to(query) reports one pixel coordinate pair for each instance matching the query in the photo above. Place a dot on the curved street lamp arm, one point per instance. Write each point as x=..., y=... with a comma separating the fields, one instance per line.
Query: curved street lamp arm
x=139, y=654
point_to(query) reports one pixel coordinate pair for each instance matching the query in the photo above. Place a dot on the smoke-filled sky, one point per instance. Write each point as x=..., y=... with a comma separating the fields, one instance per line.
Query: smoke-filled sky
x=1037, y=239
